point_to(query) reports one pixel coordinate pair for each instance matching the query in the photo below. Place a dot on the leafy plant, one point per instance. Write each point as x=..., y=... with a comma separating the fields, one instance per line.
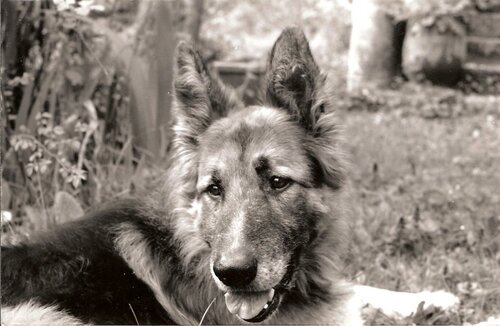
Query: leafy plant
x=53, y=147
x=65, y=111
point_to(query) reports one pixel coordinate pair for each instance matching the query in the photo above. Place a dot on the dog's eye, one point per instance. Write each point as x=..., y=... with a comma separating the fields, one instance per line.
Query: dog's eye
x=214, y=190
x=279, y=183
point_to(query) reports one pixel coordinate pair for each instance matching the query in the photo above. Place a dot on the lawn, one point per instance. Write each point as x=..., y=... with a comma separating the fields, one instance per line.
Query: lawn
x=427, y=193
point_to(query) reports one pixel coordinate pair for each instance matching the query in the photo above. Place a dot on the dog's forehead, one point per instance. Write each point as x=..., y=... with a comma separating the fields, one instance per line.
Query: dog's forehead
x=251, y=134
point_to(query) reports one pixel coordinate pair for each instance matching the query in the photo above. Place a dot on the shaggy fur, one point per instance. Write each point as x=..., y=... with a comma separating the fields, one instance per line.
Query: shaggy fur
x=258, y=191
x=31, y=313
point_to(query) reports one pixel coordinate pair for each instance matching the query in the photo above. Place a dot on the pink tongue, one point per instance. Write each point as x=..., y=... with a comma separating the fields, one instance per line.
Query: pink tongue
x=248, y=305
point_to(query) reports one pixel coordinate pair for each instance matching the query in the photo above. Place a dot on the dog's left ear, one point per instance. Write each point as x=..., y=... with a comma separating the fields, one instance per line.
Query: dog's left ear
x=293, y=82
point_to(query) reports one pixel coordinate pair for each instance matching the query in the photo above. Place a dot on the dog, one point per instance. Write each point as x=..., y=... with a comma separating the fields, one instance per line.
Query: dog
x=248, y=226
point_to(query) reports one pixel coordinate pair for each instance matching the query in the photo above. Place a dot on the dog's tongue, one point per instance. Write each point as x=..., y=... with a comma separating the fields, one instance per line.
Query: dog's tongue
x=248, y=305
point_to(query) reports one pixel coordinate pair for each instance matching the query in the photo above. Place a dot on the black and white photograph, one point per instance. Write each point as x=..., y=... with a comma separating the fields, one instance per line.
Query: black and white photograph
x=226, y=162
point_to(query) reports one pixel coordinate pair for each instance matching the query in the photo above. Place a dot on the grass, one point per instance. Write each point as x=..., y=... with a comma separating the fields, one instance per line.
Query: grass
x=428, y=198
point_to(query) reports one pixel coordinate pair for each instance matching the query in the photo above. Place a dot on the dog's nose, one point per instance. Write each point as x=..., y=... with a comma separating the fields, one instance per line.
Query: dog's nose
x=236, y=268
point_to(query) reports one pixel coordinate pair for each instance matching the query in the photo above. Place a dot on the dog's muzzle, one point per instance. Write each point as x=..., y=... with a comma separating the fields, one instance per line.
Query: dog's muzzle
x=237, y=269
x=254, y=306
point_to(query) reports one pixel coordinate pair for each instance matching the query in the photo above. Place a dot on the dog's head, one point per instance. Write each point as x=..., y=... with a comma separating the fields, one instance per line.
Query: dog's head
x=261, y=172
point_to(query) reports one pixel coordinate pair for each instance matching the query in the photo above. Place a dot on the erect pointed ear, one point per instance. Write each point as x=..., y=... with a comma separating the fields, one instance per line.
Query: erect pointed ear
x=292, y=76
x=200, y=98
x=294, y=82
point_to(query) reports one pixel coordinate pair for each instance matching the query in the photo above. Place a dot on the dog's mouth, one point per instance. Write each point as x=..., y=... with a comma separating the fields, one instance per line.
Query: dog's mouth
x=253, y=307
x=257, y=306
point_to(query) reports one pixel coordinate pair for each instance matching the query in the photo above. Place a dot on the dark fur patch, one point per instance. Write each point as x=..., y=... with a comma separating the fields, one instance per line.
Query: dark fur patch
x=243, y=137
x=77, y=268
x=318, y=176
x=262, y=165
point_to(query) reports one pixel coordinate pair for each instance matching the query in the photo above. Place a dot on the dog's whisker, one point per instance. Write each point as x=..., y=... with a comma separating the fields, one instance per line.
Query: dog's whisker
x=206, y=311
x=133, y=312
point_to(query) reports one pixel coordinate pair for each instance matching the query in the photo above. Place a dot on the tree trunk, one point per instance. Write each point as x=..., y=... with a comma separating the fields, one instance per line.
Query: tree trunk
x=372, y=59
x=165, y=52
x=144, y=52
x=9, y=34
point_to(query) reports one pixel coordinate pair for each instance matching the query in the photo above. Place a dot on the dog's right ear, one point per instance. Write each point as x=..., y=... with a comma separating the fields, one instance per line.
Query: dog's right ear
x=200, y=98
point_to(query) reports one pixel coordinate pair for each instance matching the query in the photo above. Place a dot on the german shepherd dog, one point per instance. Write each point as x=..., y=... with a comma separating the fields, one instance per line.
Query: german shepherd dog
x=249, y=224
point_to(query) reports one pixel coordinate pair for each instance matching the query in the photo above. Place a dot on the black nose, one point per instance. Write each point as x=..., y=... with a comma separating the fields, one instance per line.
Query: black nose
x=236, y=268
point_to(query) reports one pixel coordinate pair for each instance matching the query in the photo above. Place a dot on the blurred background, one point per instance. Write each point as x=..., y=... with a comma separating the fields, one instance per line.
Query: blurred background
x=86, y=110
